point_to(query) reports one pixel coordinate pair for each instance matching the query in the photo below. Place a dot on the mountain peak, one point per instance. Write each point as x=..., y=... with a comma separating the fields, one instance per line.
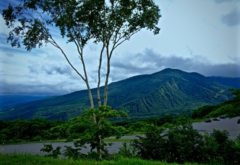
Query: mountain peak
x=168, y=91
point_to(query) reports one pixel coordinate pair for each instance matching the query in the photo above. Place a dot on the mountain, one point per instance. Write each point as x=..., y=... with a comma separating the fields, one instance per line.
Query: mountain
x=168, y=91
x=10, y=100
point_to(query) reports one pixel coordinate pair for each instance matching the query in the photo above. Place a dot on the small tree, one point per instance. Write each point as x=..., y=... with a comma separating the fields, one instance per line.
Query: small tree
x=94, y=133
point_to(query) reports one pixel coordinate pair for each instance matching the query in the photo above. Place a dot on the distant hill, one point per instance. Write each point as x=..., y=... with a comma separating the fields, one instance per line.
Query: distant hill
x=168, y=91
x=229, y=108
x=10, y=100
x=231, y=82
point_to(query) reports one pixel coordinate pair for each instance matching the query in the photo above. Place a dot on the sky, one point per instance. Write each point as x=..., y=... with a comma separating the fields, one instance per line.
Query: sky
x=196, y=36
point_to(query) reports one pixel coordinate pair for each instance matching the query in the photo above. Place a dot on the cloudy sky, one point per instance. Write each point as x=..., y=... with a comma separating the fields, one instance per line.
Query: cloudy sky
x=196, y=36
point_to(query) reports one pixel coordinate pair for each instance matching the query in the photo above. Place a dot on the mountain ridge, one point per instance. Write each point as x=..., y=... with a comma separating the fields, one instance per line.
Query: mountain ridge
x=166, y=91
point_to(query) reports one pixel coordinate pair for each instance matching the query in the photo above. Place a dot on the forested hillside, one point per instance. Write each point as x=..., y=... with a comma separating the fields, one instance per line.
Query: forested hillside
x=168, y=91
x=230, y=108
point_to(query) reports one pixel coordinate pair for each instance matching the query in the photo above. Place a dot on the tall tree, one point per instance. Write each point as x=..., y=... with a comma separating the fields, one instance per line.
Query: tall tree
x=106, y=22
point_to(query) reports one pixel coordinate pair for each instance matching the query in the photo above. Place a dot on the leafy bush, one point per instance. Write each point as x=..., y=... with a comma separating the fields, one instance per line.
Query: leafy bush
x=226, y=148
x=183, y=144
x=37, y=138
x=128, y=150
x=51, y=152
x=150, y=145
x=73, y=153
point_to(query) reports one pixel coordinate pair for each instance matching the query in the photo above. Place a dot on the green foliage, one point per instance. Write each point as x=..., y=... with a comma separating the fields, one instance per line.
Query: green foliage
x=73, y=153
x=184, y=144
x=51, y=152
x=221, y=110
x=38, y=129
x=202, y=111
x=230, y=108
x=181, y=120
x=139, y=126
x=149, y=146
x=180, y=144
x=96, y=127
x=37, y=138
x=128, y=150
x=235, y=92
x=19, y=127
x=226, y=147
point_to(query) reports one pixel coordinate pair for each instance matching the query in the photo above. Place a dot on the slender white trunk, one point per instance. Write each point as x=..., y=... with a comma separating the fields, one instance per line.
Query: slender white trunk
x=109, y=55
x=106, y=82
x=99, y=77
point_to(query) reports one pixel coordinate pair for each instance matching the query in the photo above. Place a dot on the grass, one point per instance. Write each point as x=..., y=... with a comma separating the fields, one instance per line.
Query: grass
x=25, y=159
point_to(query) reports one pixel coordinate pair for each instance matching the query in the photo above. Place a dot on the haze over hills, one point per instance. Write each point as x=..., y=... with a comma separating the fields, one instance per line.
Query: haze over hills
x=168, y=91
x=228, y=81
x=10, y=100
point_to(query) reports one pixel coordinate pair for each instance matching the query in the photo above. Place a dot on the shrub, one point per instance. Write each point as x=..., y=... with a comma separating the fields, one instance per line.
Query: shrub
x=128, y=150
x=51, y=152
x=73, y=153
x=225, y=146
x=150, y=146
x=183, y=144
x=37, y=138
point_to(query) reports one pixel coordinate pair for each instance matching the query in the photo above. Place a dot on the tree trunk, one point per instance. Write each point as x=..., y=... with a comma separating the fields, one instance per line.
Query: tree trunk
x=106, y=82
x=90, y=96
x=99, y=147
x=99, y=77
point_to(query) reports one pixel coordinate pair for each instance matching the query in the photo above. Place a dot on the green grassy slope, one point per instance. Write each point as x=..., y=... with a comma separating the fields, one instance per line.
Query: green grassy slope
x=169, y=90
